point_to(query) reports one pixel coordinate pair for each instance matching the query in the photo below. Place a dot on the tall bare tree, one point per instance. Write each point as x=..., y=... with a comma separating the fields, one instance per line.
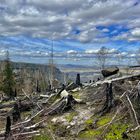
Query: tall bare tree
x=102, y=56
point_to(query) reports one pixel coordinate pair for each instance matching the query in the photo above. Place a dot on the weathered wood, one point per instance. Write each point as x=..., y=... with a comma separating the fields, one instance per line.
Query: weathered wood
x=109, y=103
x=131, y=77
x=78, y=82
x=34, y=103
x=132, y=111
x=16, y=113
x=38, y=90
x=8, y=134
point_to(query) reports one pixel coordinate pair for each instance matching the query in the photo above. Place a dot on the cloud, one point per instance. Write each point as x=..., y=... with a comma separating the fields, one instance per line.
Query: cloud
x=71, y=52
x=136, y=32
x=91, y=51
x=57, y=18
x=28, y=25
x=105, y=30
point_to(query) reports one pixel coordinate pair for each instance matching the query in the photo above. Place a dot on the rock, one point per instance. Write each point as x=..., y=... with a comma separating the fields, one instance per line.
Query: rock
x=64, y=93
x=110, y=71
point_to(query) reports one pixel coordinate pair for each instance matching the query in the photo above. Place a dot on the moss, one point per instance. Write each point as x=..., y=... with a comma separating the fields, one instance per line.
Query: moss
x=115, y=131
x=103, y=120
x=89, y=134
x=70, y=116
x=58, y=129
x=76, y=95
x=89, y=122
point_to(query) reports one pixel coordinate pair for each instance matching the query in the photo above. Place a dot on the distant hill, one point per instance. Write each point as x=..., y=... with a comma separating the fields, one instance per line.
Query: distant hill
x=46, y=68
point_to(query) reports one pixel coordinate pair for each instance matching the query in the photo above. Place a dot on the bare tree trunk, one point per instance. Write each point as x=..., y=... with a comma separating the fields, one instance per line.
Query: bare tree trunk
x=109, y=99
x=8, y=135
x=16, y=113
x=78, y=80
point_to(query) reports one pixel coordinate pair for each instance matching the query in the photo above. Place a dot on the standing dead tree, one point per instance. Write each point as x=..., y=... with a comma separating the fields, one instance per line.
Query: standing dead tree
x=38, y=90
x=102, y=56
x=78, y=82
x=109, y=103
x=16, y=113
x=8, y=134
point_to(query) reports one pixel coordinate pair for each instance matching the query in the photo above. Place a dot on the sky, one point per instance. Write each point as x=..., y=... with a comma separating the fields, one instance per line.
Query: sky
x=76, y=28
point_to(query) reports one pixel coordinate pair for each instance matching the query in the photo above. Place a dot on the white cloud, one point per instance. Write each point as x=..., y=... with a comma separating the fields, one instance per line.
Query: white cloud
x=136, y=32
x=112, y=50
x=43, y=18
x=91, y=51
x=71, y=52
x=105, y=30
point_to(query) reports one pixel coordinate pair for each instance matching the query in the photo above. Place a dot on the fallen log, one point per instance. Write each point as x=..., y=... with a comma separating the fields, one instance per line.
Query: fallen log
x=26, y=133
x=34, y=126
x=8, y=105
x=131, y=77
x=34, y=103
x=62, y=105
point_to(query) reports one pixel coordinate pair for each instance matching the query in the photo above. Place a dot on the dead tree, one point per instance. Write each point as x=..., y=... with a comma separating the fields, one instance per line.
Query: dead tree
x=70, y=102
x=63, y=105
x=102, y=56
x=37, y=87
x=8, y=128
x=109, y=103
x=78, y=80
x=16, y=113
x=15, y=93
x=62, y=88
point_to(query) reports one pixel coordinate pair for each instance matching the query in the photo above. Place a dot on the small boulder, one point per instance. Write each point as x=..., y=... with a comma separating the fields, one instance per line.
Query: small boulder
x=110, y=71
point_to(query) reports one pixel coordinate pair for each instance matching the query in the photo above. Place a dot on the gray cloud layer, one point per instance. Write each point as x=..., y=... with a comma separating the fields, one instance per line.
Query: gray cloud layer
x=58, y=18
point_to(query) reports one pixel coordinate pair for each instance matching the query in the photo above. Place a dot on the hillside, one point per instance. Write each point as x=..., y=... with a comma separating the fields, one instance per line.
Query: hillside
x=106, y=109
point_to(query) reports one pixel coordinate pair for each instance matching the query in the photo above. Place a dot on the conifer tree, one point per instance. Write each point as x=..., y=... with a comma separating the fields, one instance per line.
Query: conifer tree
x=8, y=82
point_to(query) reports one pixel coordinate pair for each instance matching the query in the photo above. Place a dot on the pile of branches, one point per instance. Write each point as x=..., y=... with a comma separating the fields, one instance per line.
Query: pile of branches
x=127, y=101
x=16, y=128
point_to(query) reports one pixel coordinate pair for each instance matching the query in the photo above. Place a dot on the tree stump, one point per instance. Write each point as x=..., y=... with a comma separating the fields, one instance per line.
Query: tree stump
x=78, y=80
x=109, y=103
x=16, y=113
x=8, y=135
